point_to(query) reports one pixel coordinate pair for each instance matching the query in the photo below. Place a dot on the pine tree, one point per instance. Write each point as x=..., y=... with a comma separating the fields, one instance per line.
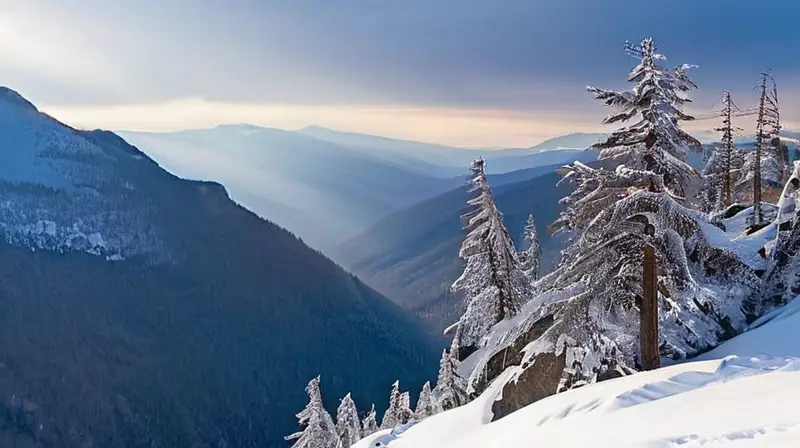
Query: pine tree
x=404, y=413
x=494, y=287
x=655, y=142
x=451, y=390
x=348, y=426
x=529, y=258
x=731, y=160
x=391, y=418
x=319, y=432
x=370, y=424
x=713, y=196
x=424, y=403
x=763, y=165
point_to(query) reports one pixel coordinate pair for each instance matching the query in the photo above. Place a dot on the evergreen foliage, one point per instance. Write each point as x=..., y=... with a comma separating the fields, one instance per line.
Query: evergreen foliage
x=348, y=426
x=493, y=285
x=319, y=431
x=424, y=407
x=451, y=390
x=370, y=425
x=530, y=257
x=655, y=142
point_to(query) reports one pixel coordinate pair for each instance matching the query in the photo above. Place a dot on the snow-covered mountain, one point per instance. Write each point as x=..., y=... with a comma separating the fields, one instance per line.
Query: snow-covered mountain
x=62, y=190
x=742, y=394
x=141, y=309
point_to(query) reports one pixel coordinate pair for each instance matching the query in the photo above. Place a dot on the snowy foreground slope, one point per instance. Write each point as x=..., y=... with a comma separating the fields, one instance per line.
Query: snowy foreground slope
x=742, y=394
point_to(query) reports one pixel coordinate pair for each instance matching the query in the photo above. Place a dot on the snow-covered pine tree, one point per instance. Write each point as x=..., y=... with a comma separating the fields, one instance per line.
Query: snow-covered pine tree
x=655, y=142
x=348, y=426
x=370, y=424
x=404, y=413
x=492, y=283
x=451, y=390
x=529, y=258
x=391, y=418
x=583, y=325
x=713, y=196
x=424, y=403
x=319, y=432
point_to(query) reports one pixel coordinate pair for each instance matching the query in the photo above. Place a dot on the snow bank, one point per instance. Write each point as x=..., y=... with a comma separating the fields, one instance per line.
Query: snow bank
x=746, y=399
x=775, y=334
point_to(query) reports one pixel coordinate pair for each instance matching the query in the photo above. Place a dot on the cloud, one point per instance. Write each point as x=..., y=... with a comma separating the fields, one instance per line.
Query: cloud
x=528, y=58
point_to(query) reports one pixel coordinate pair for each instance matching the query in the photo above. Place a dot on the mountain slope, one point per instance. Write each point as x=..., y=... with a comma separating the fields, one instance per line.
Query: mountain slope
x=160, y=313
x=412, y=255
x=428, y=158
x=505, y=164
x=282, y=175
x=444, y=161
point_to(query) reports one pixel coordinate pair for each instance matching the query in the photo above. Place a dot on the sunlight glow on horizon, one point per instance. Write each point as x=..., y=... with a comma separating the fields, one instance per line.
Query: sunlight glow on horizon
x=468, y=128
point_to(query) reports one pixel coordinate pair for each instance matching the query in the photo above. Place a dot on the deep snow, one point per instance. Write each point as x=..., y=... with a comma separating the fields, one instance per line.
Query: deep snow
x=742, y=394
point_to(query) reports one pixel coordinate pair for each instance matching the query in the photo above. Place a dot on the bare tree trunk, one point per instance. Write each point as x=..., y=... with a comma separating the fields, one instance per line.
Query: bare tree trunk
x=648, y=313
x=760, y=134
x=728, y=150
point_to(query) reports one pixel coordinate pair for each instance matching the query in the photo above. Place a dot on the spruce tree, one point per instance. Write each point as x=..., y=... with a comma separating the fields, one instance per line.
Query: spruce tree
x=493, y=285
x=714, y=192
x=655, y=142
x=529, y=258
x=369, y=425
x=391, y=418
x=424, y=403
x=348, y=426
x=451, y=390
x=319, y=432
x=404, y=413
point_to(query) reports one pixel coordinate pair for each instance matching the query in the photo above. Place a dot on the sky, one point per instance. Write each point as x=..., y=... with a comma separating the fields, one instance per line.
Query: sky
x=477, y=73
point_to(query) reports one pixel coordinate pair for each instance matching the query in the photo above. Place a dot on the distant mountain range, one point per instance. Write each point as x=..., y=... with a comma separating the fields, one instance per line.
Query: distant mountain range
x=138, y=309
x=328, y=186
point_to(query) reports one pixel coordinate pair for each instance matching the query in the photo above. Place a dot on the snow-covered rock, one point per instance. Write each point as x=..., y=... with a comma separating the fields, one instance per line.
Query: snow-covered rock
x=743, y=394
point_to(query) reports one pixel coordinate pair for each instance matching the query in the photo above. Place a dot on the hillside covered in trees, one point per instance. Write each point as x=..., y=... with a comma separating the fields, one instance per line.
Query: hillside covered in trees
x=140, y=309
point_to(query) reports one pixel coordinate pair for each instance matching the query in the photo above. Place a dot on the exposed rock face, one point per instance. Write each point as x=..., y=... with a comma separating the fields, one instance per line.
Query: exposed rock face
x=538, y=381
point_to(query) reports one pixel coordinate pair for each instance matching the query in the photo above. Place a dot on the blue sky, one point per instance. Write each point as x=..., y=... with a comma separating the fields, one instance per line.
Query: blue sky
x=471, y=72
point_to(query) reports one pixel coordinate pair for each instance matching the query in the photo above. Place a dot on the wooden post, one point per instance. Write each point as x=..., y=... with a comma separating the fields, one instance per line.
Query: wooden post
x=648, y=311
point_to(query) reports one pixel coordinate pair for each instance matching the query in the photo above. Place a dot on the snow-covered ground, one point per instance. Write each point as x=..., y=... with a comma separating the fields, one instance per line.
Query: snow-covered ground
x=745, y=393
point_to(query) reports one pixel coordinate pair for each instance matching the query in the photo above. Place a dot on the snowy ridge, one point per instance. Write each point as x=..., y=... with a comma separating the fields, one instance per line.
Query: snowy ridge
x=740, y=395
x=61, y=191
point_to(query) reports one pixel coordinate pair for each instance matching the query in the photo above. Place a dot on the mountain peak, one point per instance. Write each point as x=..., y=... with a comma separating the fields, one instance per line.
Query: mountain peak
x=13, y=97
x=315, y=128
x=575, y=140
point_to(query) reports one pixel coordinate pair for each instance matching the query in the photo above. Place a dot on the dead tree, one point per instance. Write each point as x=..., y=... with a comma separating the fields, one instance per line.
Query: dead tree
x=761, y=135
x=728, y=131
